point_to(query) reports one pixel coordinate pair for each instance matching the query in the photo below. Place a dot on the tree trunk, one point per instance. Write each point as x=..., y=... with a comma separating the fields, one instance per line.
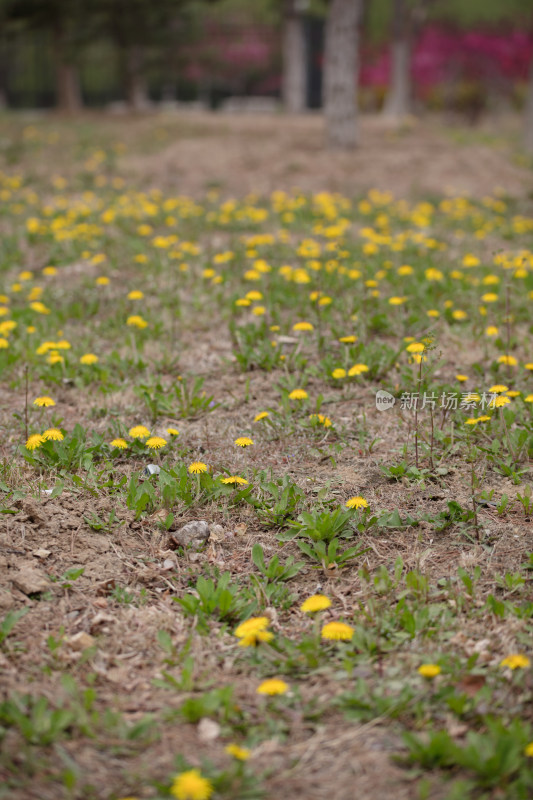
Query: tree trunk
x=398, y=100
x=528, y=129
x=134, y=81
x=68, y=93
x=294, y=59
x=340, y=73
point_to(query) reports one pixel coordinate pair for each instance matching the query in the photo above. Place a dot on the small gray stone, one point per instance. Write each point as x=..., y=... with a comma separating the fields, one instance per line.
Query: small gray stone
x=30, y=581
x=217, y=533
x=193, y=534
x=41, y=553
x=151, y=469
x=208, y=730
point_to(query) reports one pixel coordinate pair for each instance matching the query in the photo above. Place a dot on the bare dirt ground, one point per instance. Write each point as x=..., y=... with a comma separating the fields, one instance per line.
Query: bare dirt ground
x=242, y=154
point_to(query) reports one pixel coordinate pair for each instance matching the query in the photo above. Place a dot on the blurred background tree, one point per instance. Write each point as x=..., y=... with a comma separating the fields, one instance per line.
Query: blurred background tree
x=394, y=56
x=341, y=64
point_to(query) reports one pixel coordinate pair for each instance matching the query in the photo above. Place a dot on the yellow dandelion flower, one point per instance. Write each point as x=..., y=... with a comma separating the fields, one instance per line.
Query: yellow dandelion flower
x=135, y=294
x=234, y=479
x=459, y=314
x=429, y=670
x=433, y=313
x=415, y=347
x=3, y=343
x=461, y=378
x=498, y=388
x=303, y=326
x=173, y=431
x=528, y=366
x=253, y=639
x=515, y=661
x=39, y=307
x=513, y=393
x=53, y=434
x=397, y=301
x=240, y=753
x=243, y=441
x=337, y=631
x=357, y=369
x=44, y=402
x=136, y=321
x=321, y=419
x=261, y=415
x=469, y=260
x=120, y=443
x=35, y=441
x=155, y=442
x=338, y=373
x=491, y=330
x=102, y=280
x=139, y=432
x=298, y=394
x=433, y=274
x=197, y=467
x=500, y=402
x=253, y=631
x=317, y=602
x=252, y=625
x=528, y=750
x=509, y=361
x=348, y=339
x=272, y=686
x=89, y=358
x=191, y=785
x=356, y=502
x=528, y=398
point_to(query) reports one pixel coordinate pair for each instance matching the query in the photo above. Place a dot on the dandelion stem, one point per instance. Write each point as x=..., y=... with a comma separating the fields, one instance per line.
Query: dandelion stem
x=508, y=325
x=507, y=437
x=26, y=402
x=474, y=506
x=416, y=410
x=134, y=348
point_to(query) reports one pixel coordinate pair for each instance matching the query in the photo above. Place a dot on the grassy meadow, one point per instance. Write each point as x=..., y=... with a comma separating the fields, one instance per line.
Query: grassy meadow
x=338, y=387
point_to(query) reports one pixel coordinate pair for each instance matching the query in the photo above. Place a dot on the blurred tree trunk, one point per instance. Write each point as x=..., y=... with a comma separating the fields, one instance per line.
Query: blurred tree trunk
x=134, y=81
x=528, y=132
x=294, y=57
x=340, y=73
x=68, y=93
x=5, y=62
x=398, y=100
